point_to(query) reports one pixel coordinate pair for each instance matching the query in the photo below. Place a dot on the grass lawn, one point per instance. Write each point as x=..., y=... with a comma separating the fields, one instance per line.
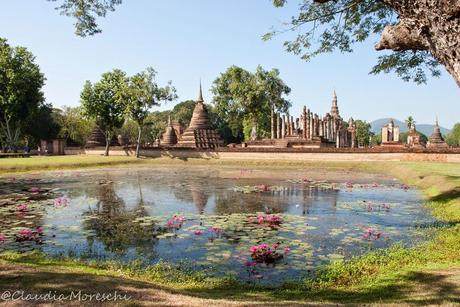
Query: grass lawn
x=425, y=274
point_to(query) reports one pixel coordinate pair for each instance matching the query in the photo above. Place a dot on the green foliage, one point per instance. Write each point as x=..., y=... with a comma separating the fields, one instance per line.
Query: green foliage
x=105, y=102
x=408, y=65
x=403, y=137
x=453, y=138
x=183, y=112
x=157, y=122
x=363, y=132
x=21, y=93
x=42, y=124
x=143, y=94
x=409, y=122
x=85, y=12
x=240, y=95
x=337, y=25
x=74, y=127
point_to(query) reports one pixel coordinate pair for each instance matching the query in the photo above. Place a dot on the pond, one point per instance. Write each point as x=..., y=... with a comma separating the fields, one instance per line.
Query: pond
x=230, y=222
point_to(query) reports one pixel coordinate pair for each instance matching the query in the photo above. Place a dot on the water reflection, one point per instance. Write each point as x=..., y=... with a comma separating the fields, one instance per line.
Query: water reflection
x=133, y=214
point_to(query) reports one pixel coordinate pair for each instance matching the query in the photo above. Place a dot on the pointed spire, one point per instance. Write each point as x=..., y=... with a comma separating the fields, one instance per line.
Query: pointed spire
x=334, y=107
x=169, y=120
x=200, y=94
x=437, y=121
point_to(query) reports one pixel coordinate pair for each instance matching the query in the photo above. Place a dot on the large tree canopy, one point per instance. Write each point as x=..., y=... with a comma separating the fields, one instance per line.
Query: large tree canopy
x=143, y=94
x=241, y=96
x=420, y=33
x=105, y=102
x=21, y=93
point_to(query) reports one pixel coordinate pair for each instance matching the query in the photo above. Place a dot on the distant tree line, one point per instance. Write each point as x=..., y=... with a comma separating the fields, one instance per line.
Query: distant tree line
x=243, y=106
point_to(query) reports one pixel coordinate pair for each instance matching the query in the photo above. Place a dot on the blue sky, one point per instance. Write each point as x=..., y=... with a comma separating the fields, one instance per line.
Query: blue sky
x=185, y=40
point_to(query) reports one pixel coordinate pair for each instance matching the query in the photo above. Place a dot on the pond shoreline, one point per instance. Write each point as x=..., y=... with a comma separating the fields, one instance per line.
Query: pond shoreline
x=361, y=280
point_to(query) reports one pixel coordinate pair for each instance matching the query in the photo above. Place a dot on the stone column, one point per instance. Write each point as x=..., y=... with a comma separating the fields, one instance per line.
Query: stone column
x=321, y=128
x=311, y=125
x=304, y=122
x=283, y=127
x=278, y=132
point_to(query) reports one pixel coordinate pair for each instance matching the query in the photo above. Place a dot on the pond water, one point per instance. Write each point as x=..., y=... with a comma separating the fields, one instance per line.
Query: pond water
x=214, y=224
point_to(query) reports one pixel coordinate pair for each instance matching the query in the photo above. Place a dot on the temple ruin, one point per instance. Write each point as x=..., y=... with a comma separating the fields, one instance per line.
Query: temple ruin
x=170, y=136
x=96, y=139
x=200, y=133
x=436, y=140
x=390, y=134
x=413, y=138
x=310, y=130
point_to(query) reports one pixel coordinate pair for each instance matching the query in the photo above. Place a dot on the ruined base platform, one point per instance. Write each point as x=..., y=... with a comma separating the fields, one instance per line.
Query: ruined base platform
x=290, y=142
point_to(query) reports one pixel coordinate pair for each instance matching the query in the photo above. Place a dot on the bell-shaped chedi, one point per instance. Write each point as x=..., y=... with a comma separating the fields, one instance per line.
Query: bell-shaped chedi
x=169, y=137
x=200, y=133
x=436, y=140
x=97, y=138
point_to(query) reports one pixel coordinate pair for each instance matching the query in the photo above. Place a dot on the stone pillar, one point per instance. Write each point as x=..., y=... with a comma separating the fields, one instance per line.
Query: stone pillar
x=304, y=123
x=283, y=127
x=311, y=125
x=278, y=132
x=316, y=125
x=321, y=128
x=291, y=128
x=289, y=125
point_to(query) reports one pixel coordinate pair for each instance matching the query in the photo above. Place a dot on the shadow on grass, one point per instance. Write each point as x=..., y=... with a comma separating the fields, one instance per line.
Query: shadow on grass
x=411, y=287
x=447, y=196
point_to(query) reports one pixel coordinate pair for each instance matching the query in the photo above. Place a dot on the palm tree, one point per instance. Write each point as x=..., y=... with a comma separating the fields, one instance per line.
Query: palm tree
x=409, y=122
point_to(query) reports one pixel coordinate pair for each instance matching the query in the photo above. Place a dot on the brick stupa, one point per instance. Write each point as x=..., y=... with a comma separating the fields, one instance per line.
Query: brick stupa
x=170, y=136
x=436, y=140
x=97, y=138
x=200, y=133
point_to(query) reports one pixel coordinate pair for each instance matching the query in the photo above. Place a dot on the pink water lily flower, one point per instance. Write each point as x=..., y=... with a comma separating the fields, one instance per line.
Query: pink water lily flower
x=35, y=190
x=286, y=250
x=275, y=246
x=198, y=232
x=251, y=263
x=61, y=201
x=22, y=207
x=39, y=229
x=2, y=237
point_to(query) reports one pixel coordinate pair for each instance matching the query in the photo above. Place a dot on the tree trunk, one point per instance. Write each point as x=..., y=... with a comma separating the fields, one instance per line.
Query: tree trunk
x=254, y=130
x=107, y=143
x=138, y=141
x=430, y=25
x=272, y=118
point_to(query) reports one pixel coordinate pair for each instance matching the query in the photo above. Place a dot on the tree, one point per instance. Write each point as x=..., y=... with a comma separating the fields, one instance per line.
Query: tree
x=363, y=132
x=409, y=122
x=183, y=112
x=21, y=93
x=243, y=97
x=42, y=124
x=453, y=138
x=85, y=12
x=105, y=102
x=75, y=128
x=421, y=33
x=144, y=93
x=275, y=89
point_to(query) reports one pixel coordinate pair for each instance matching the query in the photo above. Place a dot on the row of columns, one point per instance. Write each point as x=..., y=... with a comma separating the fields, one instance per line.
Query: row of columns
x=310, y=126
